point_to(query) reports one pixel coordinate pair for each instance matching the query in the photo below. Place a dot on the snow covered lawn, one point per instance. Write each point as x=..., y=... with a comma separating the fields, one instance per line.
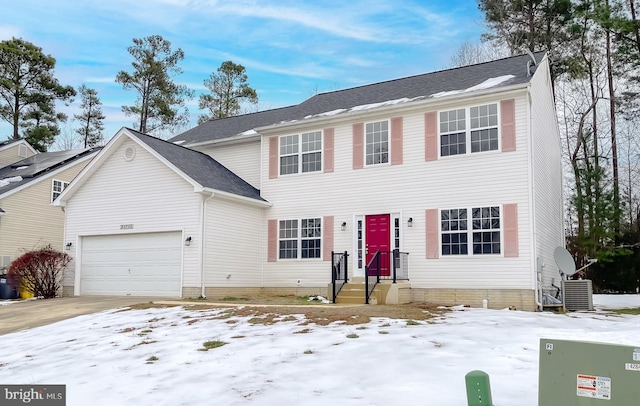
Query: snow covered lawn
x=157, y=356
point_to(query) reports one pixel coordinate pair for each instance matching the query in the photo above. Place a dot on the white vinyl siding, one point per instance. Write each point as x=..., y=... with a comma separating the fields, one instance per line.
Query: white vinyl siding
x=478, y=180
x=232, y=253
x=242, y=158
x=547, y=174
x=129, y=193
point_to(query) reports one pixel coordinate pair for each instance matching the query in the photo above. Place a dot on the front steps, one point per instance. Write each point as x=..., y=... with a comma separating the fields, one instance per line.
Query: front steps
x=385, y=292
x=354, y=293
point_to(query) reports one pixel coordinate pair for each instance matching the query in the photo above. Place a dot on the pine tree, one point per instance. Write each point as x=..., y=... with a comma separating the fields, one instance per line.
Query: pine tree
x=91, y=117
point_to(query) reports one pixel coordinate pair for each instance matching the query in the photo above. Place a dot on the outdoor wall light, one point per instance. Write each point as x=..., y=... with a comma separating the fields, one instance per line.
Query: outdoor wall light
x=343, y=226
x=68, y=246
x=187, y=241
x=410, y=222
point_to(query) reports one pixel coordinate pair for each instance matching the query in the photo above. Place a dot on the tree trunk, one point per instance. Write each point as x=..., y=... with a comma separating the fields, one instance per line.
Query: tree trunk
x=614, y=147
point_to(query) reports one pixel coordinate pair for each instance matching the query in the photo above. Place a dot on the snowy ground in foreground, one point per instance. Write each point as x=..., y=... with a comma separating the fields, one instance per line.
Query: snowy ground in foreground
x=103, y=358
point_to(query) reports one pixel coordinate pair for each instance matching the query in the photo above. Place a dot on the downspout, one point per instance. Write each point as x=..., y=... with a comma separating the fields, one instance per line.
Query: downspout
x=535, y=263
x=203, y=222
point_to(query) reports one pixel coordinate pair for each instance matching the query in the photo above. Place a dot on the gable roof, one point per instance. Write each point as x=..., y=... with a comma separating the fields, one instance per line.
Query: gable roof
x=510, y=71
x=37, y=166
x=200, y=167
x=6, y=144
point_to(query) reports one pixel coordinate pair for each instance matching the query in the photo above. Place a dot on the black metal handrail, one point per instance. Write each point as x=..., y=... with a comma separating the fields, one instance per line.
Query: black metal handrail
x=399, y=267
x=339, y=271
x=371, y=275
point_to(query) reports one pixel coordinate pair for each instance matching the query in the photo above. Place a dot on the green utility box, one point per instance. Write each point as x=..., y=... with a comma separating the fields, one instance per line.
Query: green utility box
x=579, y=373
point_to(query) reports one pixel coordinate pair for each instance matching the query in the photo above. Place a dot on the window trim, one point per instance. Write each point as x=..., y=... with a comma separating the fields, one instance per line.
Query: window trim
x=364, y=144
x=53, y=187
x=300, y=153
x=470, y=231
x=468, y=129
x=299, y=238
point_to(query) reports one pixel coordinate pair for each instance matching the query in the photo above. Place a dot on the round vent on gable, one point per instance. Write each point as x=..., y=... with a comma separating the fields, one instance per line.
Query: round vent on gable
x=129, y=154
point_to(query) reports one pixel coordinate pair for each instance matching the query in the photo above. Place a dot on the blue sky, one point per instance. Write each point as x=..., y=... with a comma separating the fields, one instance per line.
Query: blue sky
x=290, y=49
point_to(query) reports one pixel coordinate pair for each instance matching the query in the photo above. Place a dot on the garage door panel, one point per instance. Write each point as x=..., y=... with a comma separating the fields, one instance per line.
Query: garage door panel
x=148, y=264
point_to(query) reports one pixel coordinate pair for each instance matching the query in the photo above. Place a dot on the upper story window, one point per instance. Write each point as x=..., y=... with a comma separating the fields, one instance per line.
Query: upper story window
x=301, y=153
x=300, y=238
x=377, y=143
x=483, y=238
x=473, y=129
x=57, y=187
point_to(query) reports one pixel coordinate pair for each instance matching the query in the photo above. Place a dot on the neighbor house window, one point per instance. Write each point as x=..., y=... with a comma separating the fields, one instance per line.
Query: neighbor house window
x=482, y=238
x=300, y=238
x=469, y=130
x=301, y=153
x=56, y=188
x=377, y=142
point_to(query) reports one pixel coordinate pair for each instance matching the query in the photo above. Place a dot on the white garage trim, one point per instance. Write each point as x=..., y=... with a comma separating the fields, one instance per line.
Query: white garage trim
x=142, y=264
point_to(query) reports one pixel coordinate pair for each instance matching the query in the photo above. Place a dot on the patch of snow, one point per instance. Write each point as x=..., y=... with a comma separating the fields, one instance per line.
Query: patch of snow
x=319, y=298
x=21, y=167
x=385, y=103
x=178, y=142
x=327, y=113
x=155, y=356
x=489, y=83
x=6, y=181
x=249, y=132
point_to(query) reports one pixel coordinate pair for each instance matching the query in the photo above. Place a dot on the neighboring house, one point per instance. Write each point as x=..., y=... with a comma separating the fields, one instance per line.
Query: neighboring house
x=27, y=188
x=14, y=150
x=458, y=170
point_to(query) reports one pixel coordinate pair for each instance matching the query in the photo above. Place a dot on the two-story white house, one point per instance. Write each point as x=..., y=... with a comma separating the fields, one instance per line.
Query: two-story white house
x=449, y=181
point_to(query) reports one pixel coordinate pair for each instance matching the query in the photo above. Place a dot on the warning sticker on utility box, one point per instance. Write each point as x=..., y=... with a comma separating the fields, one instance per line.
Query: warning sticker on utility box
x=590, y=386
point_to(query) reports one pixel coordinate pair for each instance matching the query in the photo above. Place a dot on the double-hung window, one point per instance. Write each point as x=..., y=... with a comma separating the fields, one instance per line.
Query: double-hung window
x=377, y=142
x=301, y=153
x=482, y=238
x=57, y=187
x=300, y=238
x=469, y=130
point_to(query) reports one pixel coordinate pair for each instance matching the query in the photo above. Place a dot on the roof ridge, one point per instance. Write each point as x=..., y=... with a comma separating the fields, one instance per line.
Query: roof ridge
x=423, y=74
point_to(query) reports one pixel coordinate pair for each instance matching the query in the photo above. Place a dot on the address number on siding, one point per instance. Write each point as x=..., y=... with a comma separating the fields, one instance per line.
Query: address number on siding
x=126, y=226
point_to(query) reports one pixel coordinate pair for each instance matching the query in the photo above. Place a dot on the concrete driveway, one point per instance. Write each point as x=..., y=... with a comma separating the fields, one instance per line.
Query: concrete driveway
x=34, y=313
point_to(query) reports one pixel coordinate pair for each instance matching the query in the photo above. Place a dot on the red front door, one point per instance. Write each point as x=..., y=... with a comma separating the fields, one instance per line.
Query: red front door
x=378, y=238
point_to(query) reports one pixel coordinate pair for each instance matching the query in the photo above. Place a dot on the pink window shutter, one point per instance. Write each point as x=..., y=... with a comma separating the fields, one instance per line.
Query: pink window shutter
x=430, y=136
x=396, y=141
x=508, y=124
x=273, y=157
x=431, y=224
x=272, y=244
x=328, y=150
x=327, y=237
x=358, y=146
x=510, y=216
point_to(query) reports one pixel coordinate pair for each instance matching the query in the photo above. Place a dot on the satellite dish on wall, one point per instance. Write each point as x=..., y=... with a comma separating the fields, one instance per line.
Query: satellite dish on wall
x=565, y=261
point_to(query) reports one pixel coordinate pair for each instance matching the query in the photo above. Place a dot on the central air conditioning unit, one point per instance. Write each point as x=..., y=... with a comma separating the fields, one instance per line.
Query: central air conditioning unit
x=577, y=295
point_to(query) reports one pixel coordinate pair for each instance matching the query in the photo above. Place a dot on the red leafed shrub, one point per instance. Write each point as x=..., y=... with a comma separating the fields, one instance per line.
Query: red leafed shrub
x=39, y=272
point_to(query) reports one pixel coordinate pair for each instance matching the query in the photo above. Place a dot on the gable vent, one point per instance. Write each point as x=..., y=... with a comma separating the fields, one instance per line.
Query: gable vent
x=129, y=154
x=22, y=151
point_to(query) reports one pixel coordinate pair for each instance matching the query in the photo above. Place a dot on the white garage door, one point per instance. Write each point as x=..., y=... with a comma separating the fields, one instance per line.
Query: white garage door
x=146, y=264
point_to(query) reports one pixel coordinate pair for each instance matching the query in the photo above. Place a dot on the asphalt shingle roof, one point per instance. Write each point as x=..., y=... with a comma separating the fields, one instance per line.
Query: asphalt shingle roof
x=424, y=85
x=37, y=166
x=202, y=168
